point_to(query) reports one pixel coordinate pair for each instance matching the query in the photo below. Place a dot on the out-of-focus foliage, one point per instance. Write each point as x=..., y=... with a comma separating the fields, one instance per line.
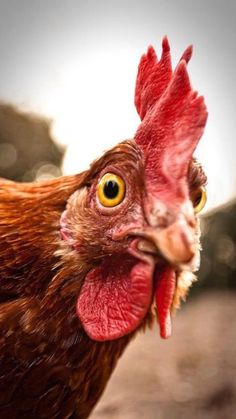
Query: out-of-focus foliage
x=27, y=150
x=218, y=259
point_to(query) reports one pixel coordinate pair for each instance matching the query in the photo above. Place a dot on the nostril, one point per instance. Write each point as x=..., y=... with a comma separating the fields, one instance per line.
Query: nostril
x=162, y=222
x=191, y=222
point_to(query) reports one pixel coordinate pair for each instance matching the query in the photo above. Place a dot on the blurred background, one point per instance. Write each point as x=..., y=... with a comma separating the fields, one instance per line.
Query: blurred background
x=67, y=75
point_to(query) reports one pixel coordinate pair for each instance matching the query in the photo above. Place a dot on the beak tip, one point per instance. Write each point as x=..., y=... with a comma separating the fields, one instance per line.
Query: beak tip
x=176, y=243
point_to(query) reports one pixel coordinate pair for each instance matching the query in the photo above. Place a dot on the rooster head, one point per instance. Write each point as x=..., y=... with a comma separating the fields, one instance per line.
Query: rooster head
x=133, y=223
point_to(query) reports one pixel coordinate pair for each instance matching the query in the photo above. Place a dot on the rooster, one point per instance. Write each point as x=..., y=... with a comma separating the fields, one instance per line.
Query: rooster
x=88, y=260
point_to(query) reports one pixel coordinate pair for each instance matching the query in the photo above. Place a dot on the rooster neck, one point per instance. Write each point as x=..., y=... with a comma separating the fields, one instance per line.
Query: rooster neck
x=43, y=303
x=89, y=364
x=52, y=354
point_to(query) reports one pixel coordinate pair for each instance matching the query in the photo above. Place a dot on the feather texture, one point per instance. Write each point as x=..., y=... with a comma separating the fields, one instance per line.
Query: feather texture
x=70, y=267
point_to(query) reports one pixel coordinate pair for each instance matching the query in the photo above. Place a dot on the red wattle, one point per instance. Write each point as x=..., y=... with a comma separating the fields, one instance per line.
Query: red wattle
x=165, y=289
x=115, y=297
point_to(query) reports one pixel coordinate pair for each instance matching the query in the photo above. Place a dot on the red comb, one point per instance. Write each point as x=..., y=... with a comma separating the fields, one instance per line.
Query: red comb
x=173, y=117
x=153, y=78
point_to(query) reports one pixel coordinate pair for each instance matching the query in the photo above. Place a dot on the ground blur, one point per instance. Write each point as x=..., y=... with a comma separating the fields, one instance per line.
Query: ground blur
x=192, y=375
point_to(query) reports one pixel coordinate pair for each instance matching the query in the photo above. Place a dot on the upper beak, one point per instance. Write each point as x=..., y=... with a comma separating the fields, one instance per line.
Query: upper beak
x=177, y=243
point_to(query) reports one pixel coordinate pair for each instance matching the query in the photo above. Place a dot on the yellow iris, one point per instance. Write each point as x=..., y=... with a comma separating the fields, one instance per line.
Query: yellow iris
x=111, y=190
x=199, y=198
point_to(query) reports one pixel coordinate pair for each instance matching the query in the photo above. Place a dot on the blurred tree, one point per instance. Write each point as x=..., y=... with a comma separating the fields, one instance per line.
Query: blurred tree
x=27, y=150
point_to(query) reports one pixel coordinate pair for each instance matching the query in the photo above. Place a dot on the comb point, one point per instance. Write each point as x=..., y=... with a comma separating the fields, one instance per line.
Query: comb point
x=165, y=45
x=187, y=54
x=151, y=52
x=181, y=69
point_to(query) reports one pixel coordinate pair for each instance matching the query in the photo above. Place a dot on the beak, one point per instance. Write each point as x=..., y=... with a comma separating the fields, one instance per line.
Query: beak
x=175, y=239
x=177, y=242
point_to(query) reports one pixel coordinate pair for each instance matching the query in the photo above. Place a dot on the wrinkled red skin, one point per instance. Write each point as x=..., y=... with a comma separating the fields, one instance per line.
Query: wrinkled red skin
x=165, y=289
x=115, y=297
x=173, y=118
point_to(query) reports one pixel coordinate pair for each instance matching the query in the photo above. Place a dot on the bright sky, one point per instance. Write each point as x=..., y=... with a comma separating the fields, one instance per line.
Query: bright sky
x=76, y=63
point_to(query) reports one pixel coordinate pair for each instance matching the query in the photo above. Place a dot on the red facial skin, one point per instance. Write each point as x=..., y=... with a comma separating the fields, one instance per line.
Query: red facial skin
x=115, y=297
x=118, y=290
x=165, y=289
x=117, y=293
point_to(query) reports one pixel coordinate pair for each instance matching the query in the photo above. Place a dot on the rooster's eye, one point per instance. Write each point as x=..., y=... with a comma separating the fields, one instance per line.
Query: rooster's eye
x=111, y=190
x=199, y=198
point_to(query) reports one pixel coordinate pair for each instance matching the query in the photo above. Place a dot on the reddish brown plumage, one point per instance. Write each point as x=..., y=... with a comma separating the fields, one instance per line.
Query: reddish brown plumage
x=48, y=364
x=49, y=367
x=55, y=236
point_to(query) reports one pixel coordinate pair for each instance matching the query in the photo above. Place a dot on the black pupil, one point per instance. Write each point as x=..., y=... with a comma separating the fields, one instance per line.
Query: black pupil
x=111, y=189
x=198, y=198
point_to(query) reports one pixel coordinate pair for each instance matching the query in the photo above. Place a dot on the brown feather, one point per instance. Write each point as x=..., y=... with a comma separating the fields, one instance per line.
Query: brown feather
x=50, y=368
